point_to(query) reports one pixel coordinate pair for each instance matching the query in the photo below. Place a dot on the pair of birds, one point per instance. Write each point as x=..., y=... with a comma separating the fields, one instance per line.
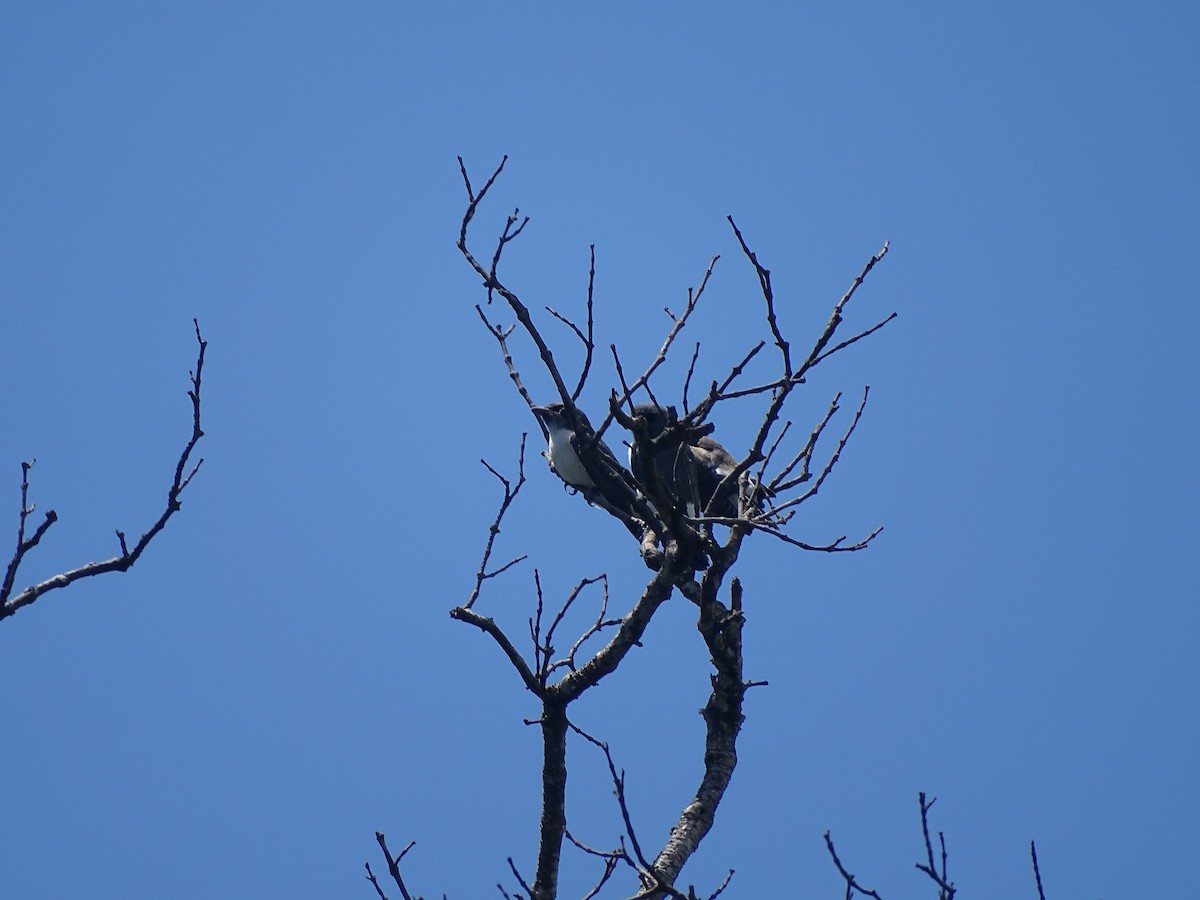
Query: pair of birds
x=689, y=472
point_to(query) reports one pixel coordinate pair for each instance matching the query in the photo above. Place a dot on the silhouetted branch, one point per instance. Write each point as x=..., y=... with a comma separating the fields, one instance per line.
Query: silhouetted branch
x=837, y=454
x=852, y=884
x=1037, y=873
x=687, y=379
x=473, y=198
x=492, y=282
x=489, y=626
x=501, y=336
x=393, y=864
x=588, y=340
x=804, y=457
x=946, y=888
x=618, y=780
x=858, y=337
x=694, y=295
x=595, y=628
x=764, y=283
x=510, y=494
x=816, y=355
x=517, y=875
x=127, y=557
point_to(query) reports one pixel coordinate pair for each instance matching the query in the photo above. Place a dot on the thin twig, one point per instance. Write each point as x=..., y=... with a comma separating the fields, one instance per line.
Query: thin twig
x=393, y=863
x=678, y=322
x=1037, y=873
x=852, y=884
x=127, y=557
x=618, y=780
x=687, y=381
x=510, y=494
x=517, y=875
x=946, y=889
x=837, y=454
x=501, y=336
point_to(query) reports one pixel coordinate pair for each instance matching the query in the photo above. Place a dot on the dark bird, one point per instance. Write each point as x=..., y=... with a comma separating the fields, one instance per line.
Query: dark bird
x=563, y=454
x=689, y=470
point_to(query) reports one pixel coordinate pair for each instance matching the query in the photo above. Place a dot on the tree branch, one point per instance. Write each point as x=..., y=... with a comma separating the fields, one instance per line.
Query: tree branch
x=127, y=557
x=510, y=494
x=1037, y=873
x=946, y=889
x=852, y=884
x=393, y=864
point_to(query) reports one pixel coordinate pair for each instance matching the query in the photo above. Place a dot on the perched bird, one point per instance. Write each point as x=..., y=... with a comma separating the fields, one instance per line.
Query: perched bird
x=562, y=443
x=562, y=452
x=690, y=472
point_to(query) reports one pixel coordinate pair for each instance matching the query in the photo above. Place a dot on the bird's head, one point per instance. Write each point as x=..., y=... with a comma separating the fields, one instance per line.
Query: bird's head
x=553, y=416
x=556, y=418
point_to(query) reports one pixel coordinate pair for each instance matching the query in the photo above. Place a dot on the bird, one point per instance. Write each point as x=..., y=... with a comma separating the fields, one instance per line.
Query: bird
x=690, y=472
x=562, y=452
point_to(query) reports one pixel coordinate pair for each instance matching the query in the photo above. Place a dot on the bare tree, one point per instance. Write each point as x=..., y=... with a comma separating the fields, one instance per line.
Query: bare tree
x=680, y=488
x=10, y=603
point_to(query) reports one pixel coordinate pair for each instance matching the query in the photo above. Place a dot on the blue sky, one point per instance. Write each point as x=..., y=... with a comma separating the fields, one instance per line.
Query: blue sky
x=278, y=677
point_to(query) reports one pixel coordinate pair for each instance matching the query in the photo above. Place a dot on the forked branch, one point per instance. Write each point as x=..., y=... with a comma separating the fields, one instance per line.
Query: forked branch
x=184, y=472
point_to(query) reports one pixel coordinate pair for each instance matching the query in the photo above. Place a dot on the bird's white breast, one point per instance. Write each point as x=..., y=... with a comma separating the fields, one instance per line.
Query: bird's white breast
x=566, y=460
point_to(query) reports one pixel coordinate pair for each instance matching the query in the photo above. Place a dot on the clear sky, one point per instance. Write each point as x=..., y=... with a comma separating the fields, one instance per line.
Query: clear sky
x=278, y=677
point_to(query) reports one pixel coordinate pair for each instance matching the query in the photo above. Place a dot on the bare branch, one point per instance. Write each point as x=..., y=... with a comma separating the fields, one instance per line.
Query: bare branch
x=510, y=494
x=509, y=233
x=618, y=780
x=626, y=391
x=127, y=557
x=852, y=884
x=501, y=336
x=677, y=326
x=835, y=546
x=489, y=626
x=540, y=655
x=492, y=282
x=588, y=340
x=837, y=454
x=23, y=545
x=610, y=866
x=858, y=337
x=375, y=882
x=720, y=888
x=836, y=318
x=946, y=889
x=687, y=381
x=393, y=864
x=740, y=367
x=473, y=198
x=1037, y=873
x=606, y=660
x=611, y=859
x=764, y=283
x=517, y=875
x=804, y=457
x=594, y=628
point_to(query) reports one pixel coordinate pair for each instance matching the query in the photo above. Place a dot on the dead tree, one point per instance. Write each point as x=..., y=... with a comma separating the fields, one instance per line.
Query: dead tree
x=184, y=472
x=686, y=488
